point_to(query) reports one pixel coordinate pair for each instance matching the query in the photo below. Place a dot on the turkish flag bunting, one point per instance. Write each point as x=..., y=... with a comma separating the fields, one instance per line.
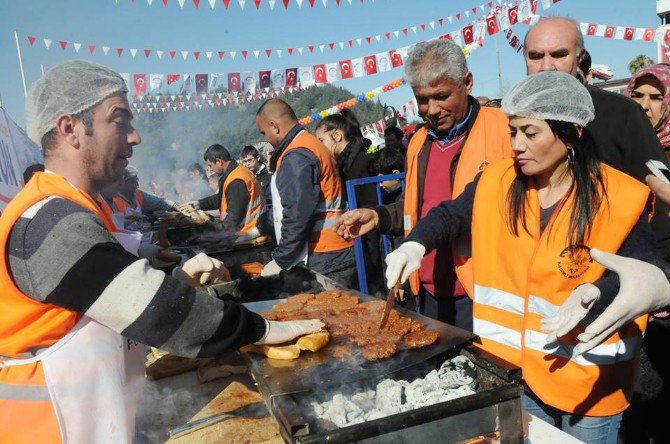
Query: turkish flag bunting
x=370, y=64
x=31, y=40
x=234, y=82
x=609, y=31
x=268, y=52
x=63, y=45
x=119, y=51
x=320, y=73
x=628, y=35
x=147, y=52
x=648, y=34
x=591, y=30
x=513, y=14
x=91, y=48
x=345, y=69
x=226, y=3
x=196, y=54
x=492, y=24
x=396, y=58
x=468, y=35
x=201, y=81
x=221, y=53
x=264, y=79
x=140, y=82
x=172, y=53
x=533, y=6
x=173, y=78
x=291, y=76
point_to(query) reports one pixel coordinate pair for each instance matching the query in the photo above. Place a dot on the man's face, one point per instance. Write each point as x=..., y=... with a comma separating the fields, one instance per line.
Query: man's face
x=443, y=103
x=251, y=161
x=552, y=46
x=105, y=153
x=269, y=130
x=216, y=166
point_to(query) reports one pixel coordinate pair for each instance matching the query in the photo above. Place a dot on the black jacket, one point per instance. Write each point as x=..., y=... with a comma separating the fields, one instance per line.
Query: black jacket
x=237, y=198
x=625, y=141
x=354, y=163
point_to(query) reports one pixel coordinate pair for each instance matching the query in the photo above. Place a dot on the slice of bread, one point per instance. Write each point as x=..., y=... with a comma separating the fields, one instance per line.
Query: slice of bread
x=314, y=342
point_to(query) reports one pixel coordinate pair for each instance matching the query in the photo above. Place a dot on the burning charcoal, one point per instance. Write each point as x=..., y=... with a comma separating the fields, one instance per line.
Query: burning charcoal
x=364, y=400
x=389, y=396
x=336, y=413
x=318, y=408
x=457, y=393
x=375, y=414
x=458, y=372
x=353, y=411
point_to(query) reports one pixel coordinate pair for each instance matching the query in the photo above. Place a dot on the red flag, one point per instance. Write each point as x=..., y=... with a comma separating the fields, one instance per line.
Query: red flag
x=196, y=54
x=221, y=53
x=244, y=54
x=468, y=36
x=628, y=35
x=331, y=45
x=264, y=79
x=291, y=76
x=609, y=31
x=648, y=34
x=201, y=83
x=257, y=3
x=423, y=26
x=370, y=64
x=290, y=50
x=140, y=82
x=286, y=4
x=196, y=3
x=31, y=40
x=119, y=51
x=172, y=53
x=513, y=14
x=388, y=35
x=62, y=45
x=396, y=58
x=492, y=24
x=171, y=78
x=591, y=30
x=345, y=69
x=533, y=6
x=91, y=48
x=234, y=82
x=268, y=52
x=311, y=48
x=320, y=74
x=368, y=39
x=226, y=3
x=147, y=52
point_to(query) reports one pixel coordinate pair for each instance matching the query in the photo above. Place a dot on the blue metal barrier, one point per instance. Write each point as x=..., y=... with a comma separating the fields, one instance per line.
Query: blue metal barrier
x=351, y=201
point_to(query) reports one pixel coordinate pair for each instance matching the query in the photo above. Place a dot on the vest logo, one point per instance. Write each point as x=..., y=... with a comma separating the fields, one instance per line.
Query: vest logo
x=483, y=165
x=574, y=261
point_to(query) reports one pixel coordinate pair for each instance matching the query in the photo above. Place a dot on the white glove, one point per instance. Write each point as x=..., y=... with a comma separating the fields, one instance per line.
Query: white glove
x=148, y=250
x=406, y=260
x=271, y=269
x=573, y=310
x=278, y=332
x=643, y=288
x=189, y=206
x=200, y=270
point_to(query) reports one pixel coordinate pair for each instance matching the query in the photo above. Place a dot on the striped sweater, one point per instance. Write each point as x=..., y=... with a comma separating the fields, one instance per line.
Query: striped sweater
x=62, y=254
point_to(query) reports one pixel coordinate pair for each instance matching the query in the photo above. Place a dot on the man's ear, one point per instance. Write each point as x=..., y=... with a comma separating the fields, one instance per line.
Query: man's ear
x=66, y=126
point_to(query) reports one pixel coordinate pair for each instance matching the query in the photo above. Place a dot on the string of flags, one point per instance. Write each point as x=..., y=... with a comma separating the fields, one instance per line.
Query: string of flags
x=204, y=54
x=659, y=35
x=242, y=3
x=407, y=111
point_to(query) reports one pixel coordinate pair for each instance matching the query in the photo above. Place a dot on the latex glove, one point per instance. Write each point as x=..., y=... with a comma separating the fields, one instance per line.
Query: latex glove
x=278, y=332
x=148, y=250
x=356, y=223
x=661, y=190
x=573, y=310
x=189, y=206
x=403, y=262
x=200, y=270
x=643, y=288
x=271, y=269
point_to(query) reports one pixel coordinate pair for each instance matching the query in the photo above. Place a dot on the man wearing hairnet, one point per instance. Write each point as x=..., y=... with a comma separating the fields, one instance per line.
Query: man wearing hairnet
x=75, y=305
x=457, y=141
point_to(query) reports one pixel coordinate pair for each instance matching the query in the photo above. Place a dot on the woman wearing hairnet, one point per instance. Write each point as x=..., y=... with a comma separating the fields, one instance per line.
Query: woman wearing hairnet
x=533, y=220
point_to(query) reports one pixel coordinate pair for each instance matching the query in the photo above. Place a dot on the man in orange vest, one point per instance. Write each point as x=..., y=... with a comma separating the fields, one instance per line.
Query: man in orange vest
x=240, y=197
x=457, y=141
x=76, y=307
x=307, y=197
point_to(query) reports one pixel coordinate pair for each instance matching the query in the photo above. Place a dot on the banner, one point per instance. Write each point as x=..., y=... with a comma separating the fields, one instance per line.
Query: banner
x=17, y=152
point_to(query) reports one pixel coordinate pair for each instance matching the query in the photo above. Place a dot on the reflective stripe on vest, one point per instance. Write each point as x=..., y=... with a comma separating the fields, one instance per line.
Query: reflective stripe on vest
x=256, y=198
x=322, y=238
x=522, y=279
x=121, y=204
x=488, y=141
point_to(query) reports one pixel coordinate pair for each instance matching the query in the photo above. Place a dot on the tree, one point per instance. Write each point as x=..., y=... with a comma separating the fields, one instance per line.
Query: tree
x=638, y=63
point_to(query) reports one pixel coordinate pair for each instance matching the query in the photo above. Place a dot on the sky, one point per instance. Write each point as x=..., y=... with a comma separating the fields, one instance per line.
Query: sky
x=139, y=25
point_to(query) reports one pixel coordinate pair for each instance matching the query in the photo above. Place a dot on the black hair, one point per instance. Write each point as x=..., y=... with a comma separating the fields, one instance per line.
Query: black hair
x=345, y=121
x=249, y=150
x=32, y=169
x=587, y=185
x=216, y=152
x=393, y=135
x=387, y=160
x=48, y=140
x=199, y=168
x=584, y=61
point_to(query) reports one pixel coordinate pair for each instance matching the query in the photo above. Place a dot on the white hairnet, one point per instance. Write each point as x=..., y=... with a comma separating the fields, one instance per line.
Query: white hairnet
x=550, y=95
x=130, y=172
x=68, y=88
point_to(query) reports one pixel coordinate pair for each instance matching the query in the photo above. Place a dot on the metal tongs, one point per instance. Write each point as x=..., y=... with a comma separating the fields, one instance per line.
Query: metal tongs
x=393, y=294
x=249, y=411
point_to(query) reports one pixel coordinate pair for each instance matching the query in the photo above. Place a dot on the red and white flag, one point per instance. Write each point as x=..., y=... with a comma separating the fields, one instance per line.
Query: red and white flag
x=513, y=14
x=628, y=34
x=492, y=24
x=370, y=65
x=320, y=73
x=140, y=82
x=292, y=77
x=609, y=31
x=171, y=78
x=396, y=58
x=345, y=69
x=468, y=34
x=648, y=35
x=591, y=30
x=234, y=82
x=264, y=79
x=201, y=82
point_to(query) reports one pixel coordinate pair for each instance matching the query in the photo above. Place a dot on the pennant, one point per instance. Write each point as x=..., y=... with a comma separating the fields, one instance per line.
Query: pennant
x=609, y=31
x=268, y=52
x=140, y=84
x=232, y=54
x=592, y=28
x=619, y=32
x=196, y=54
x=105, y=49
x=396, y=58
x=147, y=52
x=91, y=48
x=119, y=51
x=600, y=30
x=209, y=55
x=172, y=53
x=221, y=54
x=468, y=36
x=201, y=82
x=133, y=52
x=184, y=54
x=370, y=65
x=155, y=82
x=278, y=77
x=265, y=81
x=346, y=69
x=291, y=77
x=234, y=82
x=63, y=45
x=187, y=86
x=513, y=14
x=648, y=35
x=244, y=54
x=214, y=80
x=320, y=74
x=492, y=24
x=306, y=76
x=332, y=72
x=383, y=61
x=628, y=34
x=358, y=67
x=31, y=40
x=256, y=53
x=249, y=81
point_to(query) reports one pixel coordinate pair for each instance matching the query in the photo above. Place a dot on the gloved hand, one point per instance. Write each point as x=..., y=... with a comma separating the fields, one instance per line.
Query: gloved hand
x=148, y=250
x=200, y=270
x=406, y=260
x=643, y=288
x=356, y=223
x=251, y=234
x=573, y=310
x=278, y=332
x=271, y=269
x=188, y=206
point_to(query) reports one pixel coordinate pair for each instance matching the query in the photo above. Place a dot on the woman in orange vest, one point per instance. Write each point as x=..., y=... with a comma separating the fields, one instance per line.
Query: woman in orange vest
x=533, y=220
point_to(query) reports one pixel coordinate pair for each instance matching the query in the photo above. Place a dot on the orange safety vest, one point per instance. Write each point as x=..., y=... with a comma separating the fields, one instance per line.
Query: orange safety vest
x=487, y=142
x=256, y=199
x=121, y=203
x=519, y=280
x=331, y=199
x=104, y=206
x=29, y=326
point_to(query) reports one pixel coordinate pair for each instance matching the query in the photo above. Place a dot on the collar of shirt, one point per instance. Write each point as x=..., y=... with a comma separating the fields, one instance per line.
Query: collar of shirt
x=455, y=131
x=228, y=170
x=283, y=144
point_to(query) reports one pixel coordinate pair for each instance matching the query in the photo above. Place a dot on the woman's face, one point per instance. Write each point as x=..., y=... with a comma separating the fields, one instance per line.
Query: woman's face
x=648, y=92
x=331, y=139
x=537, y=150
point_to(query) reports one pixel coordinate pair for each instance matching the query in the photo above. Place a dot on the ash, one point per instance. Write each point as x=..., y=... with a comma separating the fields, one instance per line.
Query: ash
x=455, y=378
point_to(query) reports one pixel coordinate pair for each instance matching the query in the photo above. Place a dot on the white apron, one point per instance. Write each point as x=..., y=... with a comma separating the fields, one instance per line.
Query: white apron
x=93, y=375
x=278, y=214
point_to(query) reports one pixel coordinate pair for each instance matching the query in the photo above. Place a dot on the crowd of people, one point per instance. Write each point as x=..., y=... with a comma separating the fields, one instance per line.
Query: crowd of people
x=528, y=221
